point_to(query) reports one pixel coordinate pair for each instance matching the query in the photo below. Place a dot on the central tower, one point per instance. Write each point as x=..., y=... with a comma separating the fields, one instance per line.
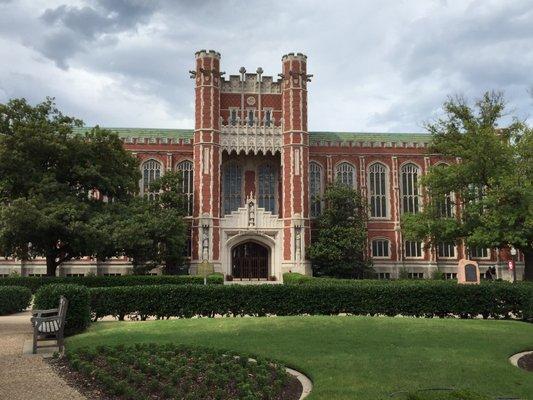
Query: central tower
x=251, y=157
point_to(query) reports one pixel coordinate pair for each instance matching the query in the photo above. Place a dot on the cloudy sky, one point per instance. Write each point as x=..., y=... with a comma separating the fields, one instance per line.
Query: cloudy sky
x=383, y=66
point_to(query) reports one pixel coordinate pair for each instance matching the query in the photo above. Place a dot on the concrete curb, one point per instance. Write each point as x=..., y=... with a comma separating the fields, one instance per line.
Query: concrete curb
x=515, y=357
x=307, y=385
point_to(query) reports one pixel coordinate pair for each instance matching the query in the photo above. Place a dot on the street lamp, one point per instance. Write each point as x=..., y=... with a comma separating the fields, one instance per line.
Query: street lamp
x=513, y=254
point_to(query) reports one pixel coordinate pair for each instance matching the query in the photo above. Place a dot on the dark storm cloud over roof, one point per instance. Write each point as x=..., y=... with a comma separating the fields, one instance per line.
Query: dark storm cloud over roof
x=378, y=65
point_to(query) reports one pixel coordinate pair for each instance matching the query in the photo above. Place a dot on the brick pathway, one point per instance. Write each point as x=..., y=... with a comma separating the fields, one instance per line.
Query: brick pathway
x=27, y=377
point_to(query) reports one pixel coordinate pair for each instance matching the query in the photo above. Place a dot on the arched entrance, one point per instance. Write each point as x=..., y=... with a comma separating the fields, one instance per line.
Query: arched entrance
x=249, y=260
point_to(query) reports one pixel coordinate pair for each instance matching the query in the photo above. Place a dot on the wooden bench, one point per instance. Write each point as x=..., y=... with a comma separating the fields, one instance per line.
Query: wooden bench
x=49, y=324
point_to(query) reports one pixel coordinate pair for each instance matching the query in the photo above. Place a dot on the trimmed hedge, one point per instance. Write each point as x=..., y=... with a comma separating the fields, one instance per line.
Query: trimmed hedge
x=420, y=299
x=78, y=311
x=35, y=282
x=14, y=299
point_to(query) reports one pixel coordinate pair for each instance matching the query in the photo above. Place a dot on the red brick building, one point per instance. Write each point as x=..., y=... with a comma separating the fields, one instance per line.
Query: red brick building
x=254, y=174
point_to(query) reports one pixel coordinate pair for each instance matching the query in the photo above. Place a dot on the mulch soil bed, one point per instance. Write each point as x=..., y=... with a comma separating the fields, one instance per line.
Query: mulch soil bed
x=149, y=371
x=526, y=362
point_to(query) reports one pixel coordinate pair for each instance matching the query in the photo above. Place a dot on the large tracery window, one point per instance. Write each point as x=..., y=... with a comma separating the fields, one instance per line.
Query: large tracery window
x=445, y=208
x=151, y=171
x=186, y=169
x=409, y=188
x=232, y=187
x=377, y=181
x=315, y=189
x=346, y=174
x=266, y=193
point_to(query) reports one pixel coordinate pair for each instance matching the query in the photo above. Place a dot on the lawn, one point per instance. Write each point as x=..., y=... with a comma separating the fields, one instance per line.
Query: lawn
x=356, y=357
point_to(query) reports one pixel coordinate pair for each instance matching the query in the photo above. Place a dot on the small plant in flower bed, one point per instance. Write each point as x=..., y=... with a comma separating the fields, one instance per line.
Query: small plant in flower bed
x=168, y=371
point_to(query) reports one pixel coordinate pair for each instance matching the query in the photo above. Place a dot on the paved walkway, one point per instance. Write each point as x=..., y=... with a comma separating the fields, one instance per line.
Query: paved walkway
x=24, y=377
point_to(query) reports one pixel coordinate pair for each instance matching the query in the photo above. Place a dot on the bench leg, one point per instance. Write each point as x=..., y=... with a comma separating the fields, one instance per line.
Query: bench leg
x=60, y=342
x=34, y=341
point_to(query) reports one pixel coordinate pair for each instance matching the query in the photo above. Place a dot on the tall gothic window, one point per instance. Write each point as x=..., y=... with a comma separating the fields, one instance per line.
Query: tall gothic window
x=233, y=117
x=151, y=171
x=409, y=187
x=266, y=193
x=232, y=188
x=187, y=183
x=268, y=117
x=346, y=174
x=250, y=117
x=315, y=189
x=377, y=180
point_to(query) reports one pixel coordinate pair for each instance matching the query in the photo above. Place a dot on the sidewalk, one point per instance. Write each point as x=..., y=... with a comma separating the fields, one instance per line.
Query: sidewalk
x=27, y=377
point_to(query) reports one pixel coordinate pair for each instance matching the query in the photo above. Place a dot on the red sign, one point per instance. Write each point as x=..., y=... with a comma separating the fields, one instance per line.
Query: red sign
x=510, y=264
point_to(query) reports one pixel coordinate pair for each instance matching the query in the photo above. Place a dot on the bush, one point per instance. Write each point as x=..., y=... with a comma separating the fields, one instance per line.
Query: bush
x=294, y=278
x=14, y=299
x=35, y=282
x=78, y=311
x=410, y=298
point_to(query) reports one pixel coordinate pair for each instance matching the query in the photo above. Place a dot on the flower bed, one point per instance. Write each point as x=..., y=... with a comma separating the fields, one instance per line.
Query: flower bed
x=168, y=371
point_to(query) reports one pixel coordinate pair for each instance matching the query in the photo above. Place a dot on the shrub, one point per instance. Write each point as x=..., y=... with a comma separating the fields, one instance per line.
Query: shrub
x=14, y=299
x=35, y=282
x=78, y=311
x=294, y=278
x=329, y=297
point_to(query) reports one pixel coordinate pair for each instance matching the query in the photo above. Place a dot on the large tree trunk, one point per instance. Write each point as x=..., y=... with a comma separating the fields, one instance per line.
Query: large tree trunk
x=51, y=264
x=528, y=264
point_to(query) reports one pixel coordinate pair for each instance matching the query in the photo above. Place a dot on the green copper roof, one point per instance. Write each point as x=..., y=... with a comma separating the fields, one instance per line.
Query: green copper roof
x=146, y=132
x=368, y=137
x=313, y=136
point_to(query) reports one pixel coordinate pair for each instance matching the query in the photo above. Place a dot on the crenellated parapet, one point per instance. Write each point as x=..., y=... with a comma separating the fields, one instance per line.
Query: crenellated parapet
x=251, y=83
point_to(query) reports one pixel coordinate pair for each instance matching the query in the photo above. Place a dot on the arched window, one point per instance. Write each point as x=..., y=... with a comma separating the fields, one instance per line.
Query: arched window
x=377, y=181
x=266, y=193
x=232, y=188
x=315, y=189
x=151, y=170
x=380, y=248
x=346, y=174
x=186, y=169
x=409, y=188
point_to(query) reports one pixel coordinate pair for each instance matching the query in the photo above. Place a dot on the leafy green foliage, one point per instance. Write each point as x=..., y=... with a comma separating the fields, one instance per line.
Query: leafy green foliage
x=317, y=296
x=493, y=179
x=78, y=311
x=339, y=249
x=34, y=282
x=48, y=178
x=14, y=299
x=147, y=371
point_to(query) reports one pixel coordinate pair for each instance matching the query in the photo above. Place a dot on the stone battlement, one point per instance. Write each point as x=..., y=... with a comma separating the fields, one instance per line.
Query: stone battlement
x=294, y=56
x=207, y=53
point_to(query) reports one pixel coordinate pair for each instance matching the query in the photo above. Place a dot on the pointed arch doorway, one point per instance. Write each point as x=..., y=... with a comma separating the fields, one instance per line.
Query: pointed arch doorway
x=249, y=260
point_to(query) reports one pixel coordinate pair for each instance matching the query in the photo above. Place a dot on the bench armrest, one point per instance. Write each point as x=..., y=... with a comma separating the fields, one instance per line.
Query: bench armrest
x=41, y=312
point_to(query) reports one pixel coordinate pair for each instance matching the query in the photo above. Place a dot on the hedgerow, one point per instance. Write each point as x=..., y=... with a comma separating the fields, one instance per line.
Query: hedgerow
x=35, y=282
x=78, y=310
x=14, y=299
x=416, y=298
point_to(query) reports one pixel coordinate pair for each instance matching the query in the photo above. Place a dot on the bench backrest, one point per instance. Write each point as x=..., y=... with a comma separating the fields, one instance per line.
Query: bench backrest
x=62, y=310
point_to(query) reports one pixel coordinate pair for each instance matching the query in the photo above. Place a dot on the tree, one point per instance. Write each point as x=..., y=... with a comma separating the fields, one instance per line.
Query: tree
x=55, y=183
x=153, y=232
x=340, y=246
x=492, y=180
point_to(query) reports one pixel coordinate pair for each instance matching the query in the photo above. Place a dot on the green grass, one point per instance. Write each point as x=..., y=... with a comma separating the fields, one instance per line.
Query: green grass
x=356, y=357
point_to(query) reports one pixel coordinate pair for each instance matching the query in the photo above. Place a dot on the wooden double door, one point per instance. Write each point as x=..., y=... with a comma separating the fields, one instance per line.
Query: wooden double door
x=249, y=260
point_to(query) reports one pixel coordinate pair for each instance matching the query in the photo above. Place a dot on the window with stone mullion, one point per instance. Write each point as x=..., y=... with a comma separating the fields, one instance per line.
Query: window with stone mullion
x=232, y=187
x=266, y=188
